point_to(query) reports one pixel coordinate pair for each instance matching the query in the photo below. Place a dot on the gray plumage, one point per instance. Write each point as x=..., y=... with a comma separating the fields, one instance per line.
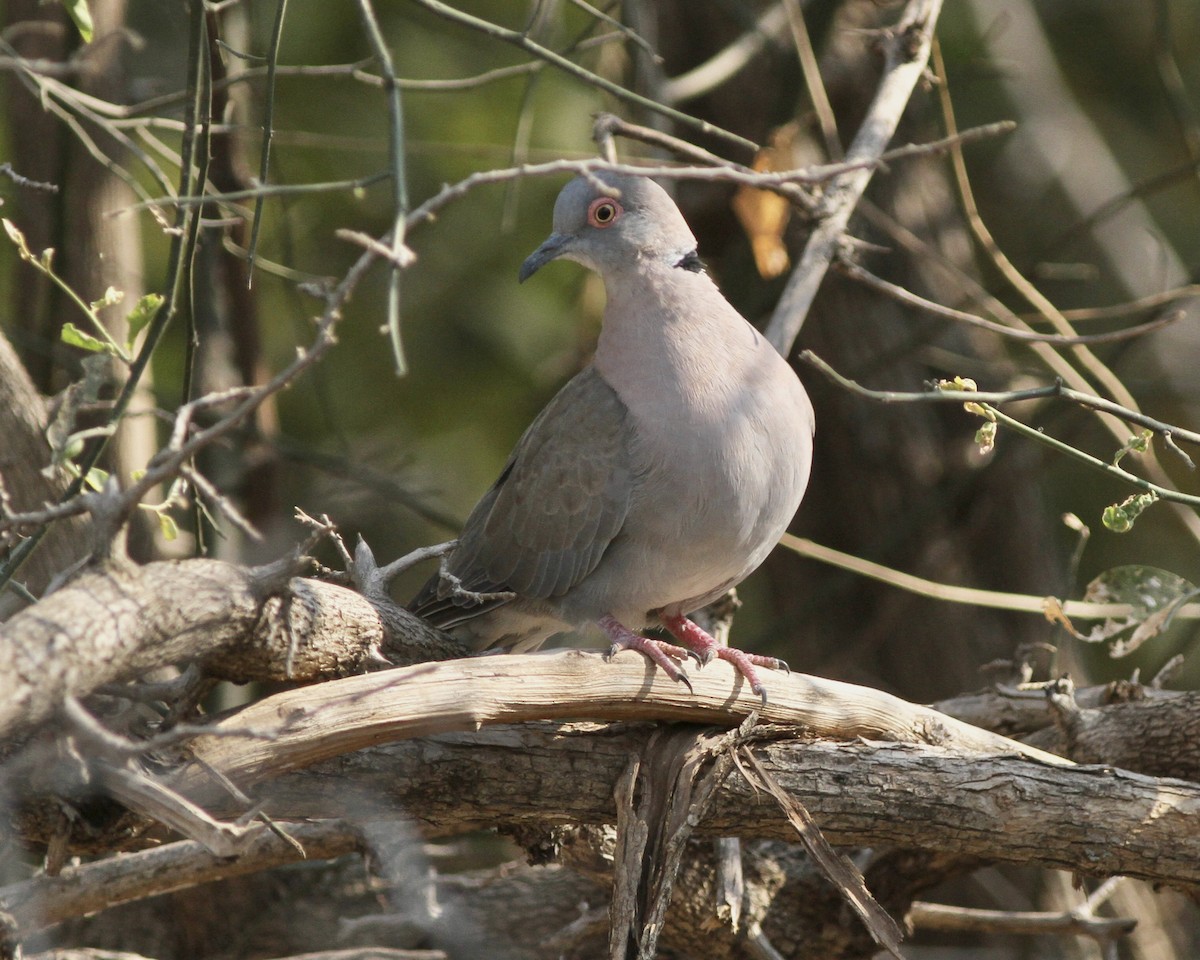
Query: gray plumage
x=658, y=477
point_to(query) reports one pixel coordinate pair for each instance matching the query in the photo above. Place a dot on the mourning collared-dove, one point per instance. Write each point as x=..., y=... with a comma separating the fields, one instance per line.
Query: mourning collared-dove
x=659, y=477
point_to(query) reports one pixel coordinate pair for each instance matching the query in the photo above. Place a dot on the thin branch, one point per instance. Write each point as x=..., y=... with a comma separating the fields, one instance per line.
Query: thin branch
x=725, y=64
x=984, y=401
x=907, y=52
x=521, y=41
x=1057, y=389
x=951, y=593
x=268, y=131
x=396, y=167
x=899, y=294
x=1149, y=302
x=88, y=888
x=836, y=867
x=812, y=79
x=1090, y=363
x=942, y=917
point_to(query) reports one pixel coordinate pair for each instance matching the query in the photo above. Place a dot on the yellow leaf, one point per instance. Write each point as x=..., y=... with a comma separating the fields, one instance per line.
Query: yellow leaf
x=764, y=215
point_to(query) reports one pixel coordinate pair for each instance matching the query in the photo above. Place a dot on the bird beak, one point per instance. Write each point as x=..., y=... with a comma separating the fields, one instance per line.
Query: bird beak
x=554, y=246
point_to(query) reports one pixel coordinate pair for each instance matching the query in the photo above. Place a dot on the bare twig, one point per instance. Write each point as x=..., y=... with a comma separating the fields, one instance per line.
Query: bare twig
x=396, y=166
x=836, y=867
x=899, y=294
x=992, y=599
x=907, y=52
x=90, y=887
x=727, y=62
x=939, y=916
x=520, y=40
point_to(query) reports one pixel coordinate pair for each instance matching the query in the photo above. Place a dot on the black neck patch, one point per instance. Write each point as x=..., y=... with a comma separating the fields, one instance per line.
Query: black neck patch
x=691, y=262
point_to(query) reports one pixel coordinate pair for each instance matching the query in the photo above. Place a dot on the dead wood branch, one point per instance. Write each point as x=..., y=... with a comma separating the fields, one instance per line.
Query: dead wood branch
x=118, y=621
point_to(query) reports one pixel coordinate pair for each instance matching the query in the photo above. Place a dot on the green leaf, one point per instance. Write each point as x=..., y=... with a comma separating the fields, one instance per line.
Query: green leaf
x=77, y=338
x=985, y=436
x=1153, y=594
x=167, y=525
x=111, y=296
x=18, y=239
x=141, y=315
x=96, y=478
x=1120, y=517
x=79, y=12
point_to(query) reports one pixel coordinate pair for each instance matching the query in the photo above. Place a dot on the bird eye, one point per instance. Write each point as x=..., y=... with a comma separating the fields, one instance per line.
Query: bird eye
x=603, y=212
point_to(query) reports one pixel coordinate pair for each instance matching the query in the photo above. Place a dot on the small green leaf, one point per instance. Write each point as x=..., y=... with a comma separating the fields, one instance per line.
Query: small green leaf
x=72, y=448
x=85, y=341
x=18, y=239
x=1135, y=444
x=79, y=12
x=1120, y=517
x=111, y=296
x=985, y=436
x=96, y=478
x=167, y=525
x=141, y=315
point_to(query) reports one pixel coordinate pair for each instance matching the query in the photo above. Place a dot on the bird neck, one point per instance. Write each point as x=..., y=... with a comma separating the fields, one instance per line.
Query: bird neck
x=667, y=326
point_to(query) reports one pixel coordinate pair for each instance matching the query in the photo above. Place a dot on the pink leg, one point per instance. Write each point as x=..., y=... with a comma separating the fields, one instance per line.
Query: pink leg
x=661, y=653
x=706, y=648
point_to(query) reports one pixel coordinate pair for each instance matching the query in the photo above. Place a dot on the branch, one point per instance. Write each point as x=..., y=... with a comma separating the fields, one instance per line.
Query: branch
x=1096, y=820
x=523, y=42
x=88, y=888
x=119, y=621
x=316, y=723
x=907, y=53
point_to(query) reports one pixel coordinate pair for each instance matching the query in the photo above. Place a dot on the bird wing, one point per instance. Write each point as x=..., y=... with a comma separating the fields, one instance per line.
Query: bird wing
x=559, y=502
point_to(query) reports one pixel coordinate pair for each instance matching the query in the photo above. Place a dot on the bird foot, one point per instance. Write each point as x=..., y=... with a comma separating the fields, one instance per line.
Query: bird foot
x=666, y=655
x=706, y=648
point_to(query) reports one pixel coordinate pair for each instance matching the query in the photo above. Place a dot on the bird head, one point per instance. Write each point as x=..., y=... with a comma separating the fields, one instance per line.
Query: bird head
x=606, y=221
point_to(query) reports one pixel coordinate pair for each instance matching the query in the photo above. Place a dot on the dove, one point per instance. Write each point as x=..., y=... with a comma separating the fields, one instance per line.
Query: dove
x=658, y=478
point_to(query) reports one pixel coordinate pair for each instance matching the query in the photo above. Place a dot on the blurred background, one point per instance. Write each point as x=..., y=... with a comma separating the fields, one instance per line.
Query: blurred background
x=1094, y=198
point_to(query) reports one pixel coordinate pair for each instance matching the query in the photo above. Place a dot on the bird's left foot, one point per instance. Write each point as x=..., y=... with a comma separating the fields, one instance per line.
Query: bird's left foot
x=705, y=647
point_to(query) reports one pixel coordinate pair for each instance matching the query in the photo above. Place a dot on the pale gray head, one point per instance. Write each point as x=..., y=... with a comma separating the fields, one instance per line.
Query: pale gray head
x=605, y=229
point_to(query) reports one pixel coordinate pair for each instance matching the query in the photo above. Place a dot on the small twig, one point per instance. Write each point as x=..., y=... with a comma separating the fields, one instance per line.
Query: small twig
x=836, y=867
x=7, y=170
x=380, y=577
x=728, y=62
x=992, y=599
x=812, y=79
x=222, y=503
x=899, y=294
x=625, y=31
x=268, y=131
x=1056, y=389
x=404, y=257
x=459, y=592
x=1150, y=302
x=940, y=916
x=521, y=41
x=396, y=167
x=907, y=53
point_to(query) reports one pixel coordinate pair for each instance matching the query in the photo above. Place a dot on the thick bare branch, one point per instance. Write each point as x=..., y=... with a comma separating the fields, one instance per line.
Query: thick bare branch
x=316, y=723
x=118, y=621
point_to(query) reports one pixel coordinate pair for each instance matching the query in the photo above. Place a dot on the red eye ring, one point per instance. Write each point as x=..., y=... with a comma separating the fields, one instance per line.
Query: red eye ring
x=604, y=212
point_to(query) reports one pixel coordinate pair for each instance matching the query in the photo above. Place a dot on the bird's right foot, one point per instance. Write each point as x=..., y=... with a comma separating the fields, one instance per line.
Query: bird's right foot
x=667, y=656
